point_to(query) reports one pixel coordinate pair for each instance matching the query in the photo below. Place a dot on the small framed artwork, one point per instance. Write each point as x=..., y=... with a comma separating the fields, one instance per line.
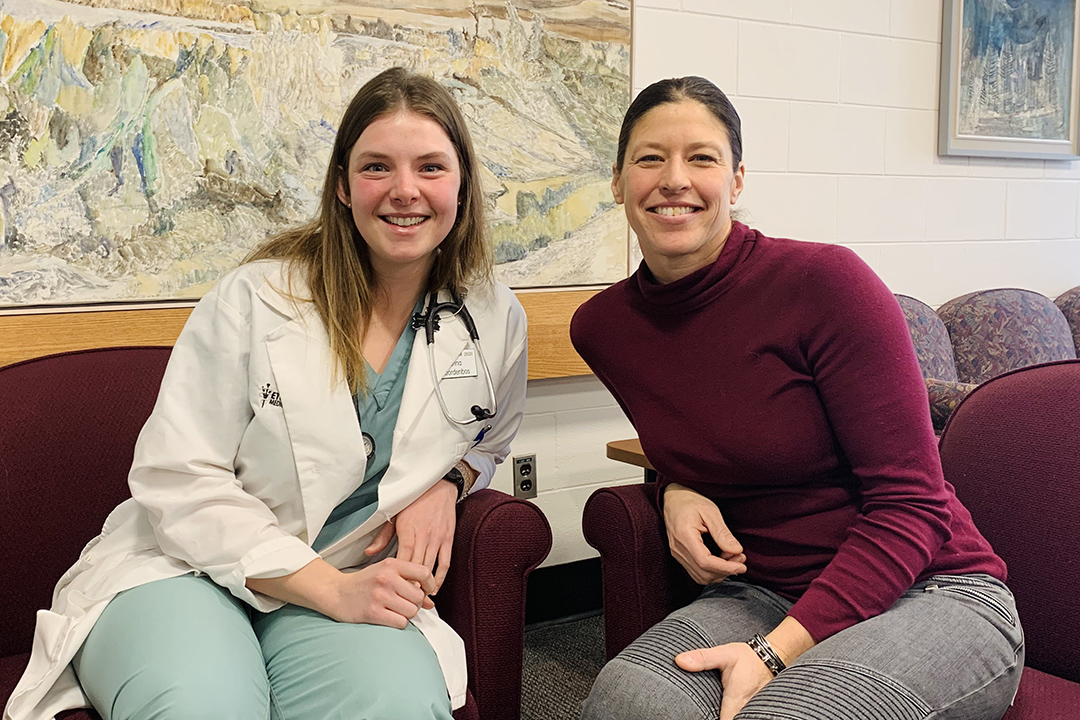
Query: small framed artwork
x=1010, y=85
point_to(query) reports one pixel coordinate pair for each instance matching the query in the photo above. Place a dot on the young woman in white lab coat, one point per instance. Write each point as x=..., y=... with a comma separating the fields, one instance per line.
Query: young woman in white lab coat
x=293, y=492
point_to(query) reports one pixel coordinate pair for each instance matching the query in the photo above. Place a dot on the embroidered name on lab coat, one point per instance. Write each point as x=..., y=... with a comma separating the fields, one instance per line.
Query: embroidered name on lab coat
x=463, y=366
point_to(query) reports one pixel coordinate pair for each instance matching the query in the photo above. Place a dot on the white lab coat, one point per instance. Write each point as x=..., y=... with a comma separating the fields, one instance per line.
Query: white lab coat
x=252, y=442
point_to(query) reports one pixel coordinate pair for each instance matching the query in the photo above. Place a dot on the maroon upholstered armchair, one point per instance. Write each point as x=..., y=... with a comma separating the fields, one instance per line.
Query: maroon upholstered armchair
x=1011, y=451
x=67, y=436
x=642, y=582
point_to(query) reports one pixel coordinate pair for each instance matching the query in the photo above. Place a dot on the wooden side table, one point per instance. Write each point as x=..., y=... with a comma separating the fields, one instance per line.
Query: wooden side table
x=629, y=451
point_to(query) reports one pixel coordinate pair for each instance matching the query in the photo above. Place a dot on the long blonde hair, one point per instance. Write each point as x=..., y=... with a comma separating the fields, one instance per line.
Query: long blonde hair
x=331, y=255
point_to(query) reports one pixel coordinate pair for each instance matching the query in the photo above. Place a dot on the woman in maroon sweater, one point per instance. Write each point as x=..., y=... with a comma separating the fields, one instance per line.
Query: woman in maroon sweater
x=774, y=386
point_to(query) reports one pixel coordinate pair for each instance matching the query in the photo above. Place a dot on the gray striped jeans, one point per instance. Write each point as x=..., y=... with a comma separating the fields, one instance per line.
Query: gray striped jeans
x=951, y=648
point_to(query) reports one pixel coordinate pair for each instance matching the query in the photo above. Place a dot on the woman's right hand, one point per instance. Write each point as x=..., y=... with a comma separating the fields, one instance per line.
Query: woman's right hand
x=389, y=592
x=688, y=515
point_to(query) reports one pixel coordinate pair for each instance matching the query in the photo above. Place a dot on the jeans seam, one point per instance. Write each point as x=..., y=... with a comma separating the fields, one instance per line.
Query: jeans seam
x=678, y=682
x=773, y=715
x=987, y=601
x=963, y=580
x=977, y=690
x=869, y=672
x=678, y=677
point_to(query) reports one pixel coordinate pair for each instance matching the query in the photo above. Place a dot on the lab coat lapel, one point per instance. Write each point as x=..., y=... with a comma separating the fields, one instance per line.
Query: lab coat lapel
x=323, y=428
x=426, y=445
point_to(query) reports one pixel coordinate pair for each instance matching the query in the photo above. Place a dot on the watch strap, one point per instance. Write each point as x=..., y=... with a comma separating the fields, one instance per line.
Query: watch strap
x=455, y=476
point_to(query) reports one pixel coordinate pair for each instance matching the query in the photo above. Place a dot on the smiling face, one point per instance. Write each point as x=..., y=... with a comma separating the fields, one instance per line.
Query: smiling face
x=678, y=184
x=403, y=182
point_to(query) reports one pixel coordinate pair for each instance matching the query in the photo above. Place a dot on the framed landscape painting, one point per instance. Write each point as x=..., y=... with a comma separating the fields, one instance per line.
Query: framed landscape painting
x=1009, y=78
x=146, y=146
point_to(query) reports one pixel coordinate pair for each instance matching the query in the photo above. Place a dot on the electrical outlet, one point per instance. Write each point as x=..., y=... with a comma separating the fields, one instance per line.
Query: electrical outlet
x=525, y=476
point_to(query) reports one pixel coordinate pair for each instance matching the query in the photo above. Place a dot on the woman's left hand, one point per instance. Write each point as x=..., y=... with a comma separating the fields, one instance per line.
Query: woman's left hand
x=741, y=673
x=425, y=530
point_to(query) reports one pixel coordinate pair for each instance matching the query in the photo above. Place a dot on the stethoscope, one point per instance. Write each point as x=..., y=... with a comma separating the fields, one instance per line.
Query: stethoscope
x=429, y=321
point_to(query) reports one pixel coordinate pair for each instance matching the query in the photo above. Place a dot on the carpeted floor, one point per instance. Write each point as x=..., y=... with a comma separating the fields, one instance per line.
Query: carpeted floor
x=561, y=661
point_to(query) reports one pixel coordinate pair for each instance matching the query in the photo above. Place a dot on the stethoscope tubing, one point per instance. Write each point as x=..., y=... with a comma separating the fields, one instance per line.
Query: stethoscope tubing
x=431, y=325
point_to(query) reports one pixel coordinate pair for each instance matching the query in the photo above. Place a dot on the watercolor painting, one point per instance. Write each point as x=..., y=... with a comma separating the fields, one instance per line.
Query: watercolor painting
x=1016, y=68
x=147, y=145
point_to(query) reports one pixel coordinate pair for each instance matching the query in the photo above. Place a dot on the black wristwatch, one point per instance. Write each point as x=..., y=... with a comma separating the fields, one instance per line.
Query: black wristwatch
x=454, y=475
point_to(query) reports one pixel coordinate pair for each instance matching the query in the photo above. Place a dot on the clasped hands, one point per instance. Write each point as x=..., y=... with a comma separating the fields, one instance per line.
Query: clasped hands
x=425, y=533
x=388, y=592
x=690, y=518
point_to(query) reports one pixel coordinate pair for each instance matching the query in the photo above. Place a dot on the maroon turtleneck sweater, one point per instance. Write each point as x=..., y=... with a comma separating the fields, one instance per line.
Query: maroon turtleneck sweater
x=781, y=383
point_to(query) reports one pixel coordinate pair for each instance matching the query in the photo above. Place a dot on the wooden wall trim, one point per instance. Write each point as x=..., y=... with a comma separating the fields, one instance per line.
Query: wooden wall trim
x=28, y=336
x=550, y=352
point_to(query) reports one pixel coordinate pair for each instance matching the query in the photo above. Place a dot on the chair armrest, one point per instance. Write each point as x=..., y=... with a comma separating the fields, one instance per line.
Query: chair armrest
x=944, y=396
x=499, y=540
x=642, y=583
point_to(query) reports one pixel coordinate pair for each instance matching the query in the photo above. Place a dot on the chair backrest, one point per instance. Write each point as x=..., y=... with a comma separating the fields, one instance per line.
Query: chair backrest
x=930, y=338
x=995, y=331
x=1069, y=304
x=1012, y=452
x=68, y=426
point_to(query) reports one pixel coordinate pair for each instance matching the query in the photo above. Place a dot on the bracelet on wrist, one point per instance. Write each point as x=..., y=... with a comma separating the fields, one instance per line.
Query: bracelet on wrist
x=470, y=473
x=768, y=655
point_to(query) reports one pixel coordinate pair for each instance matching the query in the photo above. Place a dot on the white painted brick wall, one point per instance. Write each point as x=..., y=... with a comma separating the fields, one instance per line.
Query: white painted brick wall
x=839, y=104
x=568, y=422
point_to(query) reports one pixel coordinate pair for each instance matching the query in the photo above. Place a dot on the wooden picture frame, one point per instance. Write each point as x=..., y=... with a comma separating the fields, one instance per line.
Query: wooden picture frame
x=1010, y=80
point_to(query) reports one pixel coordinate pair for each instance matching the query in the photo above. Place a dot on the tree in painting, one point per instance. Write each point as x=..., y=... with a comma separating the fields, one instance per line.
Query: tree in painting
x=1015, y=79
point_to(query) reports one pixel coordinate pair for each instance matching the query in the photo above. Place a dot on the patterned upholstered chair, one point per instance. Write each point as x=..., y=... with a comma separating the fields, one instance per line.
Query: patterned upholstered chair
x=935, y=353
x=1010, y=452
x=995, y=331
x=67, y=434
x=1069, y=304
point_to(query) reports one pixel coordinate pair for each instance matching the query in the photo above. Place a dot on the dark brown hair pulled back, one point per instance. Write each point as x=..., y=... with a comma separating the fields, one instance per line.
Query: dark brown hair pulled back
x=675, y=90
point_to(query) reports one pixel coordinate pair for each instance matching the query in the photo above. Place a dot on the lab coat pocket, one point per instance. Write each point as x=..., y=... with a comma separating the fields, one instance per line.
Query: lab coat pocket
x=50, y=633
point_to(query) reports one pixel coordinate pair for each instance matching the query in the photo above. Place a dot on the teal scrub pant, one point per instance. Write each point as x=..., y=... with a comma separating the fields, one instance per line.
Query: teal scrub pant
x=186, y=648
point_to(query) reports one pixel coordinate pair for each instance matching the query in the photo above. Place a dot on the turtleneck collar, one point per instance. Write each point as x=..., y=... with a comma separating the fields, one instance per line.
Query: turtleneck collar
x=699, y=287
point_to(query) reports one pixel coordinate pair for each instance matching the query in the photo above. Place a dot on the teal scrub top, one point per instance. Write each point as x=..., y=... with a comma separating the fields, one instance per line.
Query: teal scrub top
x=377, y=410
